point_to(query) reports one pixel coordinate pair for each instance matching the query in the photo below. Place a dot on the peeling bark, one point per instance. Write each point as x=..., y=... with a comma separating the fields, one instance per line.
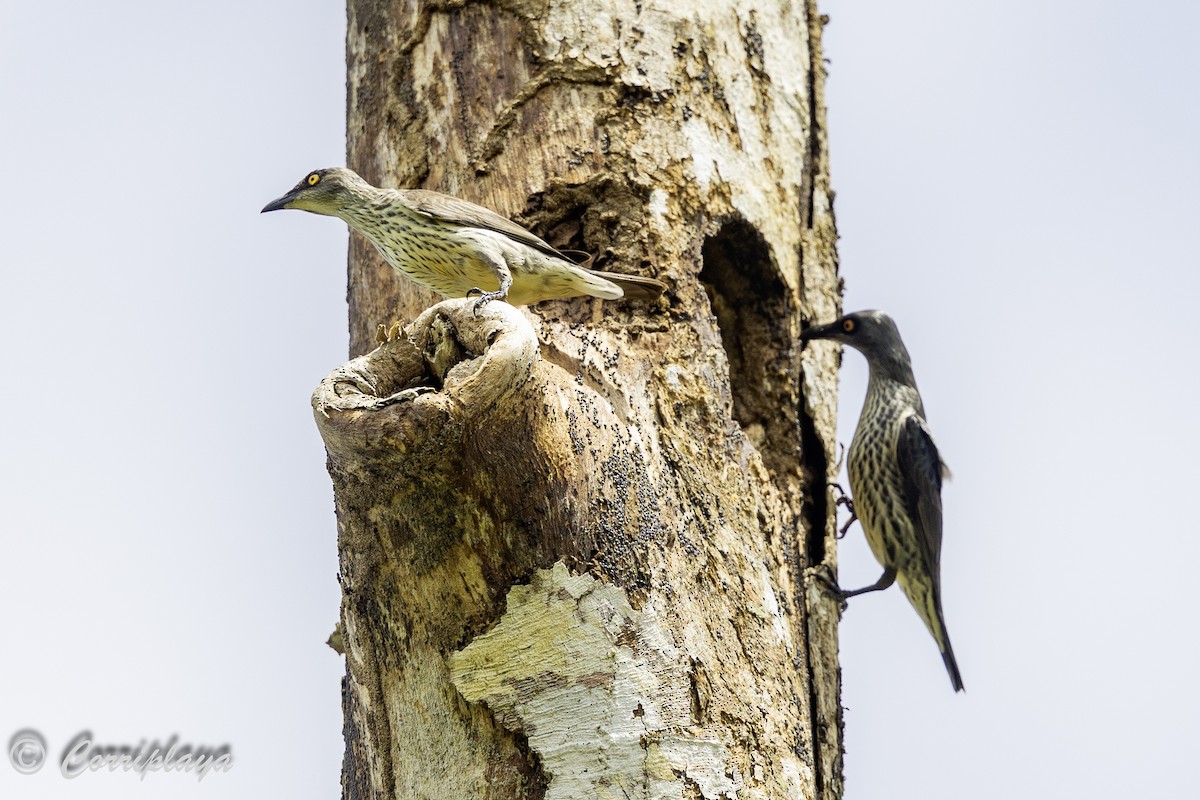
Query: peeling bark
x=574, y=538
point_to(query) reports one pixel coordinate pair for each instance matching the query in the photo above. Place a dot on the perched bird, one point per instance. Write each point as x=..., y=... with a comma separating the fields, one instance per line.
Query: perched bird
x=896, y=472
x=455, y=247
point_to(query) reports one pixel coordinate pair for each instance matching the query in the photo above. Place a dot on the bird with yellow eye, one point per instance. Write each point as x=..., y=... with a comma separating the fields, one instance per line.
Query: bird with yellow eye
x=455, y=247
x=896, y=473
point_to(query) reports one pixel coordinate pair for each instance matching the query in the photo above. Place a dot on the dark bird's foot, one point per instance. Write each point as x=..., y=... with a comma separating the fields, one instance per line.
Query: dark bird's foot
x=823, y=575
x=844, y=500
x=485, y=297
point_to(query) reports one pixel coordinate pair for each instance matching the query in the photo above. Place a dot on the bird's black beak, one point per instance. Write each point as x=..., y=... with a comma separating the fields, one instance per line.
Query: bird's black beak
x=277, y=204
x=820, y=332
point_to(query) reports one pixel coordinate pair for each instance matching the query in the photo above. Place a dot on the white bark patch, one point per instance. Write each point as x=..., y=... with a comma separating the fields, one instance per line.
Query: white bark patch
x=599, y=690
x=658, y=208
x=770, y=607
x=707, y=152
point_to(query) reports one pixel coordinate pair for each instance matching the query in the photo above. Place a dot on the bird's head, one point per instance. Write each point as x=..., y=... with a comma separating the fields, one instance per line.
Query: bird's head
x=872, y=333
x=323, y=191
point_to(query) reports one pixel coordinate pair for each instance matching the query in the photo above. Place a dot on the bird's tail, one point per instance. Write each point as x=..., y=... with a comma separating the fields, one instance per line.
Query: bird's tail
x=943, y=639
x=952, y=665
x=636, y=287
x=926, y=598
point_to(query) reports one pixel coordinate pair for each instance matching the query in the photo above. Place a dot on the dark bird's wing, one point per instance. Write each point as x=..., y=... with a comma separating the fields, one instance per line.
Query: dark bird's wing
x=922, y=469
x=463, y=212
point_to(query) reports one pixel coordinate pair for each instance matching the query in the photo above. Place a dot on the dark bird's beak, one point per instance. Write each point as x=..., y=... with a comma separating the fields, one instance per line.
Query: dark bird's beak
x=279, y=203
x=819, y=332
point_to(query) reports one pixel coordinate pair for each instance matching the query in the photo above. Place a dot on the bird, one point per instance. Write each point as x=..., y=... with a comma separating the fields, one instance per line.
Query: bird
x=455, y=247
x=896, y=472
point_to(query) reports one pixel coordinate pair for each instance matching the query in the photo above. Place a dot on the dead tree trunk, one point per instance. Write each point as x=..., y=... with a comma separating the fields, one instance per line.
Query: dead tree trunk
x=574, y=567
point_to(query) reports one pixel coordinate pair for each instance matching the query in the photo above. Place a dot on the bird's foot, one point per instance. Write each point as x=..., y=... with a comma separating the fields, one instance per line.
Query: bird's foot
x=844, y=500
x=484, y=297
x=823, y=574
x=387, y=333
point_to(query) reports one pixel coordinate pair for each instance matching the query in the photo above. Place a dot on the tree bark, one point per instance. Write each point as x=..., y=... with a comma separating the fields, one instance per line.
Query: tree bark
x=574, y=539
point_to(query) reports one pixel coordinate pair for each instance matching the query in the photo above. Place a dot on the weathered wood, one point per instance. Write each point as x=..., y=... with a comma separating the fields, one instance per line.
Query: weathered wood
x=574, y=565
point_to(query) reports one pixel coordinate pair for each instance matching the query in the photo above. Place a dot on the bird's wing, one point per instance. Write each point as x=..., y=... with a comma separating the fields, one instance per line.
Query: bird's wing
x=454, y=210
x=922, y=468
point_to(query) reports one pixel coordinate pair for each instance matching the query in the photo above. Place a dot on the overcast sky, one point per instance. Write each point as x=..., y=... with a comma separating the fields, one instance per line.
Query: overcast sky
x=1015, y=185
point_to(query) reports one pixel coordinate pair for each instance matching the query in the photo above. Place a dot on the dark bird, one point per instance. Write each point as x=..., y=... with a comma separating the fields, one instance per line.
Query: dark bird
x=896, y=472
x=454, y=247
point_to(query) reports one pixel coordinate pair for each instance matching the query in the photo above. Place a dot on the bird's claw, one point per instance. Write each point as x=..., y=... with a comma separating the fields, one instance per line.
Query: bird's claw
x=484, y=297
x=822, y=574
x=842, y=530
x=844, y=499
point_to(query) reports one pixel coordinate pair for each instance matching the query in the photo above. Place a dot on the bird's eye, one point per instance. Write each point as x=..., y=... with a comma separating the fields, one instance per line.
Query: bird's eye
x=313, y=179
x=848, y=325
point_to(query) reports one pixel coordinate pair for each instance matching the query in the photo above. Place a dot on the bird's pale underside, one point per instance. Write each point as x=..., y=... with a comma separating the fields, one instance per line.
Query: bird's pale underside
x=896, y=473
x=455, y=247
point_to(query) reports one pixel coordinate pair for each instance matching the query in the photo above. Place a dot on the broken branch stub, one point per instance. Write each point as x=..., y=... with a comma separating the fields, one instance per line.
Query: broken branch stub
x=464, y=422
x=462, y=463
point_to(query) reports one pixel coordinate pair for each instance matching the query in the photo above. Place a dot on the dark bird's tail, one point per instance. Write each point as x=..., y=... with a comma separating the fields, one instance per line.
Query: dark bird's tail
x=925, y=597
x=952, y=666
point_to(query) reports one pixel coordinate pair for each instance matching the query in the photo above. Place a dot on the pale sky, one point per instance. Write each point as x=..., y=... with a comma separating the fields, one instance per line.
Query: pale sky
x=1015, y=185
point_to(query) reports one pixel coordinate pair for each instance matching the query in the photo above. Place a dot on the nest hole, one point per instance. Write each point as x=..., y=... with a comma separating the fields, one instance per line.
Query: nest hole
x=749, y=299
